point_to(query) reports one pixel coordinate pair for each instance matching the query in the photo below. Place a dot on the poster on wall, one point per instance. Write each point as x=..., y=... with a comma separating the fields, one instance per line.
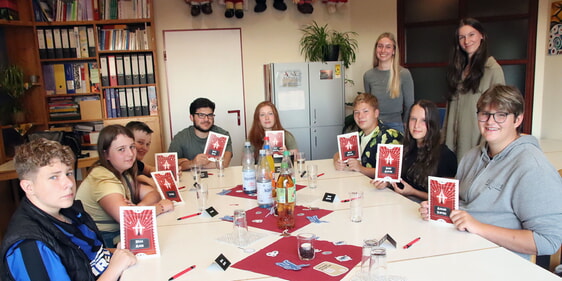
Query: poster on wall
x=555, y=38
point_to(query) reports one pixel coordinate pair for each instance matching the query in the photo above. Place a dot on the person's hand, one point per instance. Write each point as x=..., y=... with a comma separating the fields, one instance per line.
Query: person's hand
x=167, y=205
x=406, y=191
x=463, y=221
x=201, y=160
x=122, y=259
x=424, y=210
x=354, y=165
x=338, y=164
x=379, y=184
x=183, y=163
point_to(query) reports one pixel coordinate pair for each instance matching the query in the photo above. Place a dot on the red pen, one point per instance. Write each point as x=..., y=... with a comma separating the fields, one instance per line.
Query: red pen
x=182, y=273
x=411, y=243
x=188, y=216
x=181, y=187
x=210, y=174
x=347, y=200
x=319, y=175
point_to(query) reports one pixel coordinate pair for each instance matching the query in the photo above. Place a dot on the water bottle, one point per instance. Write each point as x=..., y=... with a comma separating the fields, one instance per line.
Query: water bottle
x=287, y=159
x=264, y=177
x=248, y=170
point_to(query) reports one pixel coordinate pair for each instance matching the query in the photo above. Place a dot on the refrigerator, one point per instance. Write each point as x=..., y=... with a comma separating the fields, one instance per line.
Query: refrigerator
x=310, y=99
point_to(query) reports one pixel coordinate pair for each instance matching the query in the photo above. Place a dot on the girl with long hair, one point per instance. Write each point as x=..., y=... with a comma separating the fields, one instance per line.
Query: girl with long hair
x=112, y=183
x=424, y=154
x=390, y=83
x=471, y=72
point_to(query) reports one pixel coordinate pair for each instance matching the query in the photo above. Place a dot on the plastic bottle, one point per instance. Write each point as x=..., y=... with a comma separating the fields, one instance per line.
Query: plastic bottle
x=248, y=170
x=268, y=153
x=264, y=177
x=286, y=195
x=287, y=159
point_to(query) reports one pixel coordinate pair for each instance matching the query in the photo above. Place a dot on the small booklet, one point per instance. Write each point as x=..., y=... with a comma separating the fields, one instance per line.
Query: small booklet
x=348, y=146
x=389, y=162
x=276, y=141
x=138, y=230
x=168, y=162
x=167, y=186
x=443, y=197
x=216, y=145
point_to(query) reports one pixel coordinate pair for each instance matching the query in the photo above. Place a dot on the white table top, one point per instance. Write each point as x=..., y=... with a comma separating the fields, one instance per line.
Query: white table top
x=443, y=253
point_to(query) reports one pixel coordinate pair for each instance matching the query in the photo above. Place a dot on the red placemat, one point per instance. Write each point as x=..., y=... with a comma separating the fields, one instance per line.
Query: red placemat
x=237, y=191
x=260, y=262
x=269, y=222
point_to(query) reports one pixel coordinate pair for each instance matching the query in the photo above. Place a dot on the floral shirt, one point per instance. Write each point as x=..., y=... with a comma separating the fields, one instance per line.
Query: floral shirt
x=382, y=135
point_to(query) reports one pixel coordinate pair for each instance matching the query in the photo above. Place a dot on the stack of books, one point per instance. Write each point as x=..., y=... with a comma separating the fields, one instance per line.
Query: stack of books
x=63, y=108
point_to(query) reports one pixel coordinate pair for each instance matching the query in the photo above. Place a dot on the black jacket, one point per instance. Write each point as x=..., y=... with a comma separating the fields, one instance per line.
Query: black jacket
x=29, y=222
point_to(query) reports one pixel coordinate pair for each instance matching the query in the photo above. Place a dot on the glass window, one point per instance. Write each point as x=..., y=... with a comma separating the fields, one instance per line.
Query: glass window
x=507, y=40
x=429, y=10
x=428, y=43
x=430, y=83
x=515, y=76
x=487, y=8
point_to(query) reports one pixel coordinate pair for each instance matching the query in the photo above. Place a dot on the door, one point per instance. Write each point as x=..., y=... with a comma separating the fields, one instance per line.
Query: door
x=207, y=63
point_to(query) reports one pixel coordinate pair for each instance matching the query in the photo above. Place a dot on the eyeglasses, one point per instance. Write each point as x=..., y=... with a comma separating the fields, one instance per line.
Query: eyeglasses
x=499, y=117
x=203, y=115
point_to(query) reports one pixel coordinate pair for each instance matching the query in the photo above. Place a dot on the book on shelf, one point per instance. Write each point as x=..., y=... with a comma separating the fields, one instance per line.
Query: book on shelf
x=138, y=100
x=120, y=70
x=144, y=101
x=69, y=76
x=112, y=69
x=149, y=69
x=49, y=79
x=95, y=82
x=82, y=40
x=91, y=41
x=128, y=70
x=57, y=39
x=135, y=68
x=152, y=100
x=123, y=102
x=60, y=79
x=65, y=43
x=130, y=102
x=104, y=71
x=42, y=44
x=50, y=43
x=73, y=44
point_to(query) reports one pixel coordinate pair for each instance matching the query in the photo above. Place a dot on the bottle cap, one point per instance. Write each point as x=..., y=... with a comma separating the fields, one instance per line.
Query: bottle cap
x=247, y=143
x=262, y=151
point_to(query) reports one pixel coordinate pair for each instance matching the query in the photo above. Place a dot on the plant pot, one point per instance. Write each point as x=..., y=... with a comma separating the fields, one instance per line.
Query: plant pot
x=331, y=52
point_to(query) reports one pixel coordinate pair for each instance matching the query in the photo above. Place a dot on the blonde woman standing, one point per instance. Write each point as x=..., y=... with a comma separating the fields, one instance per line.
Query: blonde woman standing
x=390, y=83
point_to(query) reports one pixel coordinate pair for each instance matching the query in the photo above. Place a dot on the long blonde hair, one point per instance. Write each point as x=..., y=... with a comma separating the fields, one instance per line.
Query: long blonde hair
x=394, y=79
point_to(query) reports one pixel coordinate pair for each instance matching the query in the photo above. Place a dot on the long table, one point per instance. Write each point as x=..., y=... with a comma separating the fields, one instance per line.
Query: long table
x=443, y=253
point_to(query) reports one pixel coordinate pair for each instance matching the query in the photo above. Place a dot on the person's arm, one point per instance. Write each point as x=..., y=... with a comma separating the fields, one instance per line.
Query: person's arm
x=45, y=262
x=151, y=197
x=146, y=180
x=407, y=88
x=518, y=240
x=110, y=203
x=338, y=164
x=148, y=169
x=409, y=190
x=227, y=158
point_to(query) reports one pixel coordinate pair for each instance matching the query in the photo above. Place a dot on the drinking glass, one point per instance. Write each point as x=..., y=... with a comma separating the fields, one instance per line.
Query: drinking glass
x=356, y=206
x=220, y=166
x=195, y=172
x=305, y=246
x=202, y=194
x=312, y=172
x=300, y=162
x=377, y=269
x=368, y=246
x=240, y=226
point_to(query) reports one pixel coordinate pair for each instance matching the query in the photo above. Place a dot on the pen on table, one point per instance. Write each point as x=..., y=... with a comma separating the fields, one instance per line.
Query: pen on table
x=411, y=243
x=188, y=216
x=347, y=200
x=182, y=273
x=319, y=175
x=303, y=173
x=210, y=174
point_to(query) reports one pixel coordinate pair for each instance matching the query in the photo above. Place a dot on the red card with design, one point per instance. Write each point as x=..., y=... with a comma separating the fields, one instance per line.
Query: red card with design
x=443, y=197
x=389, y=162
x=276, y=141
x=216, y=145
x=138, y=230
x=167, y=186
x=168, y=162
x=348, y=146
x=325, y=265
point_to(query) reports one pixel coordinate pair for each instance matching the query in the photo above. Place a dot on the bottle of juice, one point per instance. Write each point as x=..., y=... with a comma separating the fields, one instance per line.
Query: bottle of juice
x=286, y=195
x=268, y=154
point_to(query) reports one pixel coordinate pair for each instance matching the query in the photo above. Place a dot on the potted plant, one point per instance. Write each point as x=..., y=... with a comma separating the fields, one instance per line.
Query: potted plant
x=13, y=85
x=318, y=42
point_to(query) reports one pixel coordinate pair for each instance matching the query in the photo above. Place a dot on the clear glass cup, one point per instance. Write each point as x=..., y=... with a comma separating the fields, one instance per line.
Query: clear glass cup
x=240, y=226
x=202, y=192
x=196, y=172
x=300, y=162
x=312, y=172
x=305, y=246
x=368, y=246
x=356, y=206
x=377, y=265
x=220, y=167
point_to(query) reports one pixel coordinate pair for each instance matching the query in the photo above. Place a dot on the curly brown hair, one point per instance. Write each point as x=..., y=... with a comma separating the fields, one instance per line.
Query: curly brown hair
x=39, y=153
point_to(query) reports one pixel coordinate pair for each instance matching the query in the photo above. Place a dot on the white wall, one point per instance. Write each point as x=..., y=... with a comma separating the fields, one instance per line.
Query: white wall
x=273, y=36
x=547, y=113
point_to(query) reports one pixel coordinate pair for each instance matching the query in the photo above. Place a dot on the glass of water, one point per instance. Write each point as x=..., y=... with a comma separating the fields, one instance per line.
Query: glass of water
x=300, y=162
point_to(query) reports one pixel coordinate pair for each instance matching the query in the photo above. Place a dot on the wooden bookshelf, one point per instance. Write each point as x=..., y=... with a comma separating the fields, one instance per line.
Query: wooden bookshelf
x=23, y=49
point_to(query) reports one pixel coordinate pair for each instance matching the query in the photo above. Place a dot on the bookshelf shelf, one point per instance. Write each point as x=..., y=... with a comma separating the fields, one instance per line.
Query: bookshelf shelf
x=75, y=47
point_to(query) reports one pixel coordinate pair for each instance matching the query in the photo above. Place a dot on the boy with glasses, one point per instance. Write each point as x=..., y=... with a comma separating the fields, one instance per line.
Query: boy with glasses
x=190, y=142
x=509, y=193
